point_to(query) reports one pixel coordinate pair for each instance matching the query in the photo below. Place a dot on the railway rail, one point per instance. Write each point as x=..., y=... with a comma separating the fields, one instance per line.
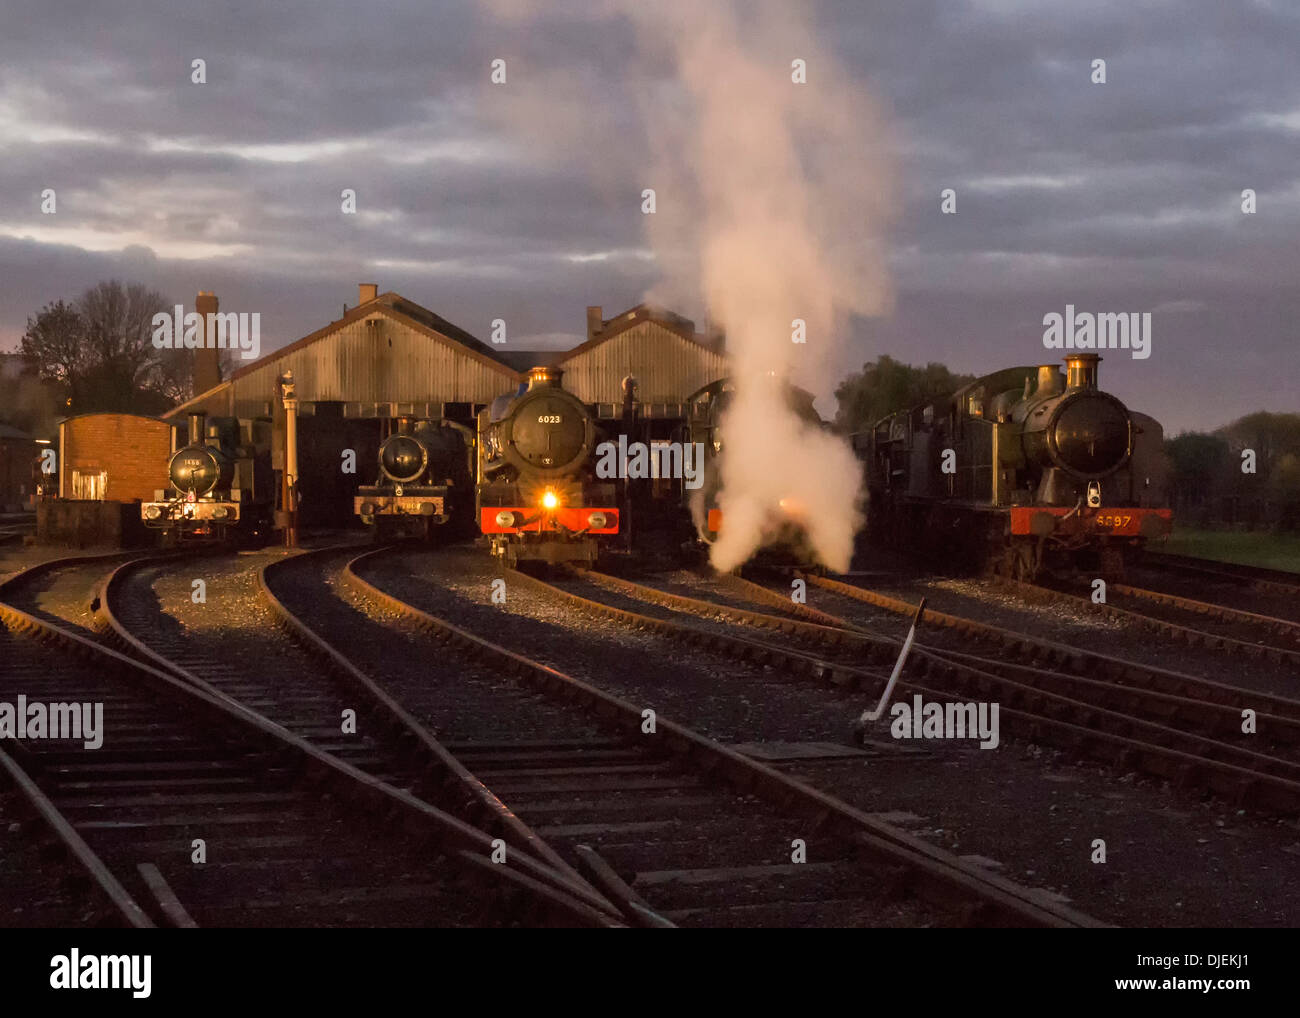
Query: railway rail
x=394, y=748
x=1278, y=629
x=1038, y=652
x=276, y=818
x=1276, y=581
x=1126, y=725
x=671, y=806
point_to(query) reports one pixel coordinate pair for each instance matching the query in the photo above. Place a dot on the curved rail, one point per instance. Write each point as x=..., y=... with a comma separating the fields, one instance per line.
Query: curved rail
x=435, y=758
x=402, y=728
x=203, y=707
x=1126, y=740
x=933, y=871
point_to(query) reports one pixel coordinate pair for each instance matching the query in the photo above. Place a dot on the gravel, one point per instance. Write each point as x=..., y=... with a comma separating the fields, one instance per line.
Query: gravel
x=1171, y=859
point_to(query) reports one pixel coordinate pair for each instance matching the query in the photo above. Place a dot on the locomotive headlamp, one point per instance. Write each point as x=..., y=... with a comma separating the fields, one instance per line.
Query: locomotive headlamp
x=550, y=500
x=1094, y=494
x=152, y=512
x=597, y=521
x=220, y=512
x=505, y=519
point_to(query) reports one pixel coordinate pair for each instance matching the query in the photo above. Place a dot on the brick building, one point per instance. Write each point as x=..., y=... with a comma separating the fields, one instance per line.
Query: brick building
x=113, y=457
x=107, y=464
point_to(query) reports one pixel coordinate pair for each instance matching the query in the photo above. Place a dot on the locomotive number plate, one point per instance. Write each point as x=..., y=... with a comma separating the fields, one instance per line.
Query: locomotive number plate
x=549, y=419
x=1117, y=522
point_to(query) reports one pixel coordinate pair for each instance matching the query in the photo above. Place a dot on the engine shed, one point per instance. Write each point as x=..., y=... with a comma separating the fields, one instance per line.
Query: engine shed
x=388, y=357
x=661, y=352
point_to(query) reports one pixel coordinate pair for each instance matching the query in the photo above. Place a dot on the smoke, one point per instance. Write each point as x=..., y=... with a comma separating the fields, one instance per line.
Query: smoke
x=771, y=199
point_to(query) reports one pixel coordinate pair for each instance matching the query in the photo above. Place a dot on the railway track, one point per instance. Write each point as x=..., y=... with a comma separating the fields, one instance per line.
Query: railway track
x=1276, y=581
x=1123, y=724
x=1039, y=652
x=196, y=811
x=287, y=688
x=1169, y=615
x=665, y=818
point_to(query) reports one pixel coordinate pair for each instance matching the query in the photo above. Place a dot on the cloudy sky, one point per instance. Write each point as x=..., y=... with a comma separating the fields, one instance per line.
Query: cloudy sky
x=1117, y=197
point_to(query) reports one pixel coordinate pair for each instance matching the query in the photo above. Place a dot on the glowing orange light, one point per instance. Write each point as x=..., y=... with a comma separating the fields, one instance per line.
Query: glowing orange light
x=549, y=501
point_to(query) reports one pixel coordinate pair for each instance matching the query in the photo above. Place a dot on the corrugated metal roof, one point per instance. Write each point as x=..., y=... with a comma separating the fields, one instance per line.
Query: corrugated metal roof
x=389, y=349
x=668, y=367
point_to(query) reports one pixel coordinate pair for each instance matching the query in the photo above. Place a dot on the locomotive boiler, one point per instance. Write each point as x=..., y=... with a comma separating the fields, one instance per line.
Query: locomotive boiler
x=1022, y=469
x=220, y=484
x=424, y=472
x=537, y=492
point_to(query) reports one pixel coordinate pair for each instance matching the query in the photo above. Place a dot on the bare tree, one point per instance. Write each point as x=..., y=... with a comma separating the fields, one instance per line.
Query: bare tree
x=119, y=331
x=54, y=345
x=99, y=350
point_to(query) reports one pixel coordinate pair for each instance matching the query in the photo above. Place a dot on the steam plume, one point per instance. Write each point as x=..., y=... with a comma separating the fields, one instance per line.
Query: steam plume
x=771, y=200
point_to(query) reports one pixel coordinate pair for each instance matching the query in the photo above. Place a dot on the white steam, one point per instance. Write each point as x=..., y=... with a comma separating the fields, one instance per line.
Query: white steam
x=771, y=202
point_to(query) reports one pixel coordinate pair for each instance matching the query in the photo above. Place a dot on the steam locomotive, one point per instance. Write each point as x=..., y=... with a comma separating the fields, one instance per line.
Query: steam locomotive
x=424, y=472
x=538, y=497
x=1022, y=470
x=222, y=485
x=707, y=410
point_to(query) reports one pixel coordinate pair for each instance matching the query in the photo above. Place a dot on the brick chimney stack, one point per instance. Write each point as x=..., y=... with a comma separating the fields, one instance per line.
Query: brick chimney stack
x=368, y=292
x=207, y=369
x=594, y=321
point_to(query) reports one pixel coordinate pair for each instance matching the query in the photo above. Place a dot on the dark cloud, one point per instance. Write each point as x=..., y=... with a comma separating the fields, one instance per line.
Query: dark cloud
x=1123, y=196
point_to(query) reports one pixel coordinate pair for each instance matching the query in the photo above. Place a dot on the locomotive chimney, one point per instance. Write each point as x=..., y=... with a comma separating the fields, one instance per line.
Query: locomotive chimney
x=206, y=368
x=1081, y=370
x=197, y=420
x=540, y=377
x=368, y=292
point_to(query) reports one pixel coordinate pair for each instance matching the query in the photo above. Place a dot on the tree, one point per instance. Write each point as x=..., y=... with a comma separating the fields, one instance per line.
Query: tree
x=886, y=386
x=100, y=351
x=55, y=345
x=1199, y=465
x=119, y=331
x=1207, y=477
